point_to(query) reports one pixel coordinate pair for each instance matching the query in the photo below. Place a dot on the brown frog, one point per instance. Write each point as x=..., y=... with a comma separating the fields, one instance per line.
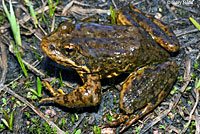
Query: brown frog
x=138, y=45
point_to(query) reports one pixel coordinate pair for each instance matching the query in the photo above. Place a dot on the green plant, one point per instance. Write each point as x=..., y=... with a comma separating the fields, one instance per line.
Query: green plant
x=14, y=24
x=180, y=78
x=174, y=91
x=137, y=129
x=43, y=17
x=2, y=127
x=197, y=83
x=47, y=128
x=113, y=15
x=63, y=123
x=109, y=117
x=195, y=23
x=4, y=100
x=192, y=127
x=19, y=58
x=27, y=114
x=115, y=100
x=188, y=89
x=162, y=127
x=189, y=102
x=37, y=56
x=97, y=130
x=196, y=65
x=61, y=80
x=51, y=8
x=78, y=131
x=14, y=84
x=28, y=84
x=16, y=33
x=35, y=21
x=9, y=120
x=73, y=119
x=193, y=75
x=39, y=88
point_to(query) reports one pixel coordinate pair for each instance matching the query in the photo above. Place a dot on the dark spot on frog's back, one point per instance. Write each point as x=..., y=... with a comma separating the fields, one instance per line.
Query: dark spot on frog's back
x=66, y=99
x=91, y=99
x=77, y=93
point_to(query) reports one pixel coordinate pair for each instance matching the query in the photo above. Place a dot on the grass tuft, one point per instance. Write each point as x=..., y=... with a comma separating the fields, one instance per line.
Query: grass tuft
x=14, y=24
x=32, y=11
x=51, y=8
x=9, y=120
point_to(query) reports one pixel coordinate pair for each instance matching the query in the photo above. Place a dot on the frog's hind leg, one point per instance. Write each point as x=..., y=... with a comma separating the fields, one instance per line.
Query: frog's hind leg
x=149, y=107
x=144, y=90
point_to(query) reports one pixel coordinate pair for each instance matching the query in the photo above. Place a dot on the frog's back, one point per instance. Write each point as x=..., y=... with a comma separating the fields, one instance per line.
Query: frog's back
x=116, y=49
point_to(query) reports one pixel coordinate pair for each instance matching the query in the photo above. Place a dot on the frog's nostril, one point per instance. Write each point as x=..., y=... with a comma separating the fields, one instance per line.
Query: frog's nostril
x=52, y=46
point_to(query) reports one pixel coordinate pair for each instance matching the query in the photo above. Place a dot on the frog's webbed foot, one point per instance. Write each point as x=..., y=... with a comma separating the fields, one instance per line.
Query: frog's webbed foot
x=87, y=95
x=132, y=118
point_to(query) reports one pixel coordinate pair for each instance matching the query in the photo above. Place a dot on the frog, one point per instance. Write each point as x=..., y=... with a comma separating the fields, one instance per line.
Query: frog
x=138, y=44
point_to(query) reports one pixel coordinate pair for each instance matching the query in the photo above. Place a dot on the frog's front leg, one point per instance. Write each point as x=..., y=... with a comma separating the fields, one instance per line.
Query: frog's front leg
x=144, y=90
x=84, y=96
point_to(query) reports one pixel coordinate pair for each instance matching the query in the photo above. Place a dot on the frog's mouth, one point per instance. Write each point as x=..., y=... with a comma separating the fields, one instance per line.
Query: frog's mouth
x=55, y=54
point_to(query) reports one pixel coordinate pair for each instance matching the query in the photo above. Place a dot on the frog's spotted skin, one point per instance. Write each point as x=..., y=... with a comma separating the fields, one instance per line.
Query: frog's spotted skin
x=98, y=51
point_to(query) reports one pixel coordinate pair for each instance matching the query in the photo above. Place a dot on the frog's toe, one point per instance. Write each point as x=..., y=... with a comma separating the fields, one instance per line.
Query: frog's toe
x=116, y=122
x=61, y=91
x=51, y=89
x=57, y=99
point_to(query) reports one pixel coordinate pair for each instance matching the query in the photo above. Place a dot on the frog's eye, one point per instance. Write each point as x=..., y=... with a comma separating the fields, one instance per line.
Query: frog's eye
x=69, y=50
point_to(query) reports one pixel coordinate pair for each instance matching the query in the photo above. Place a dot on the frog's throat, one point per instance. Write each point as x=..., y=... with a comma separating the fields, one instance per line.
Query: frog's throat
x=69, y=62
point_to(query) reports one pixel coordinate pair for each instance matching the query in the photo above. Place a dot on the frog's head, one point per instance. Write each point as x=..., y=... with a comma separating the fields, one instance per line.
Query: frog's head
x=57, y=46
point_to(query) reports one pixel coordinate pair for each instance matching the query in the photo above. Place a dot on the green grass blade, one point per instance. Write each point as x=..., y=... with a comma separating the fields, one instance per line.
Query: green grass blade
x=39, y=87
x=37, y=56
x=78, y=131
x=33, y=14
x=113, y=14
x=61, y=80
x=20, y=60
x=55, y=6
x=50, y=8
x=5, y=122
x=6, y=10
x=14, y=25
x=11, y=119
x=7, y=117
x=195, y=23
x=33, y=91
x=197, y=83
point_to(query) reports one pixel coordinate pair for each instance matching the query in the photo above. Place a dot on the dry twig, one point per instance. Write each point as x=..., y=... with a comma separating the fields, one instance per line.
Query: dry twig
x=69, y=5
x=192, y=111
x=167, y=6
x=3, y=61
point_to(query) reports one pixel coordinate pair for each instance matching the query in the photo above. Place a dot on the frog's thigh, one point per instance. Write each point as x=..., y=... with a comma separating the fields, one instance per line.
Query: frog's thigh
x=146, y=85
